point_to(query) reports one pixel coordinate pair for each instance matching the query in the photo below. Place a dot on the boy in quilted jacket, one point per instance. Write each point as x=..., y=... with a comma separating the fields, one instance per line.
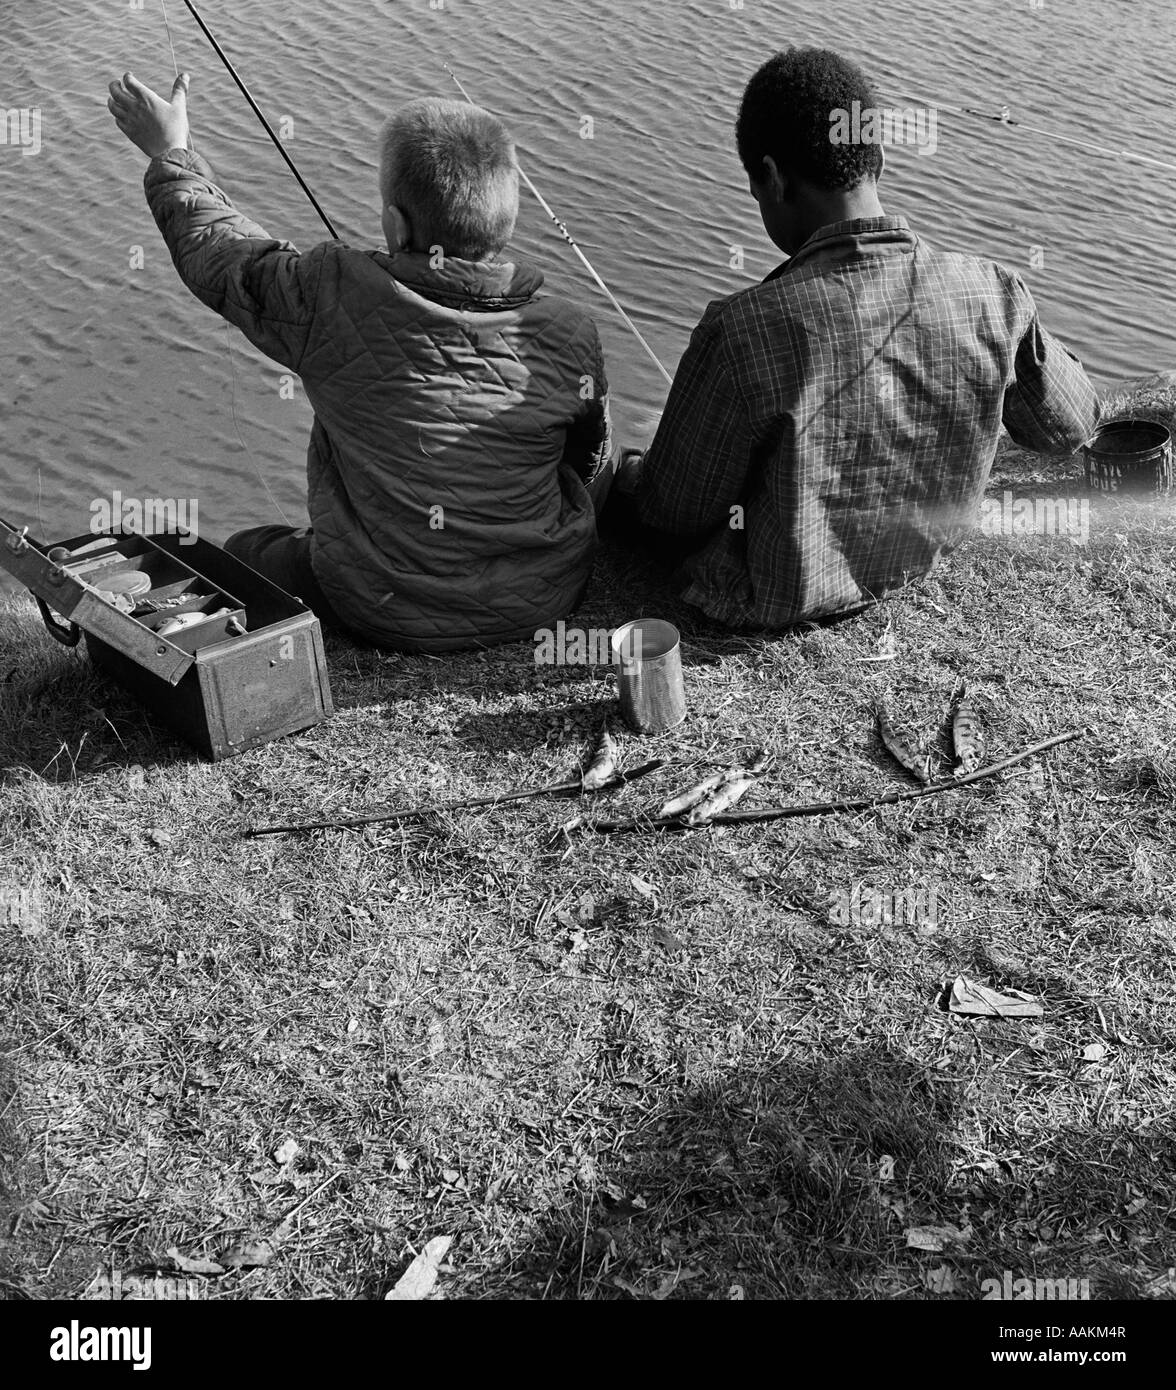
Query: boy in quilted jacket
x=461, y=442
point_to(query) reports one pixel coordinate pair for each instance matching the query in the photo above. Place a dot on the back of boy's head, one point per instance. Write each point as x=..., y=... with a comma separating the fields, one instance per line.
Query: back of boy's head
x=788, y=110
x=450, y=168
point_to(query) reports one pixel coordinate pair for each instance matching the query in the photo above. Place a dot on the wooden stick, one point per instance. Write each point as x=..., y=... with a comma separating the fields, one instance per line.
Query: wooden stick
x=821, y=808
x=413, y=812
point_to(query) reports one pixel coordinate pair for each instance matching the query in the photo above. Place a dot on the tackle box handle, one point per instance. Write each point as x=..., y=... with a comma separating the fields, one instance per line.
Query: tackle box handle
x=68, y=636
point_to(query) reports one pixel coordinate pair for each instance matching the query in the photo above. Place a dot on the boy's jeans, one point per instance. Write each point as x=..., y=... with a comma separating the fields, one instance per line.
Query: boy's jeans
x=282, y=554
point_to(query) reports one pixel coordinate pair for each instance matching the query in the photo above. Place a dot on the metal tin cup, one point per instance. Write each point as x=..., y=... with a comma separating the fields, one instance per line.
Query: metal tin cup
x=648, y=657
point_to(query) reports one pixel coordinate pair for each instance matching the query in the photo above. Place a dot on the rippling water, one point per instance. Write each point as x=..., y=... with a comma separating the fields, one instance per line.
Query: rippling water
x=116, y=378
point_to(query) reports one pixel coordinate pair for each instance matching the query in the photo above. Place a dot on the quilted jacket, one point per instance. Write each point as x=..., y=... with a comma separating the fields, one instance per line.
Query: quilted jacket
x=458, y=415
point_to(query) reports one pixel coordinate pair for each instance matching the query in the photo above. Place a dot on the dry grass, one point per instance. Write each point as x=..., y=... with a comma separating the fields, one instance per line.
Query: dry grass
x=469, y=1028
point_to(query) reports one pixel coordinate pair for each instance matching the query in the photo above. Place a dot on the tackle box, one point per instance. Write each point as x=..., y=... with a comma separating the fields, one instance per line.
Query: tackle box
x=212, y=648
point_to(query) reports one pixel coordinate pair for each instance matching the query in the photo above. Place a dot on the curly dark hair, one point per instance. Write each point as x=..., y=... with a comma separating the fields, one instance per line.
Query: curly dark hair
x=787, y=113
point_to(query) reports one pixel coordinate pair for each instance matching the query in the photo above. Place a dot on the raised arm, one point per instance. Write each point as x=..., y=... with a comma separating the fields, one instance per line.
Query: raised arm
x=261, y=285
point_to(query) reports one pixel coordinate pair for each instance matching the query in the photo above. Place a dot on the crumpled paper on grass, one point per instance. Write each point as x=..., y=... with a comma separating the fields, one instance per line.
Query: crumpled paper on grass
x=418, y=1279
x=967, y=997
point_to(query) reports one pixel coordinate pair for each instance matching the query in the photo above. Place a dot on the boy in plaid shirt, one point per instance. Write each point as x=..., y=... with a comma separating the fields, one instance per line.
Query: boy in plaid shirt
x=830, y=431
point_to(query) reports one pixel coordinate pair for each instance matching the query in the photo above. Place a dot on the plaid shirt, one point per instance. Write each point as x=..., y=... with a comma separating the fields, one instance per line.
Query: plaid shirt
x=830, y=431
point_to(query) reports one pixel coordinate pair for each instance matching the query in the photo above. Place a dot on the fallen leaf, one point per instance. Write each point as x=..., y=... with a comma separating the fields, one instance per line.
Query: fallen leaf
x=967, y=997
x=418, y=1279
x=671, y=1282
x=266, y=1177
x=249, y=1255
x=939, y=1280
x=286, y=1152
x=887, y=648
x=936, y=1239
x=194, y=1264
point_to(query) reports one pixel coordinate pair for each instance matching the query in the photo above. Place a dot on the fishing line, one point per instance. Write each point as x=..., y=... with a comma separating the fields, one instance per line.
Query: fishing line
x=229, y=341
x=567, y=236
x=167, y=26
x=1002, y=117
x=1005, y=119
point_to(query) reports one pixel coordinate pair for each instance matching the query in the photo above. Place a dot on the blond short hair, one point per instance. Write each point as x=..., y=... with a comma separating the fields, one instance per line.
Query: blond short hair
x=450, y=167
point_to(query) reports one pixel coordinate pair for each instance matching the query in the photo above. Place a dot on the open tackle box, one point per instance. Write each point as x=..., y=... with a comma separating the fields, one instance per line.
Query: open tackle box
x=215, y=650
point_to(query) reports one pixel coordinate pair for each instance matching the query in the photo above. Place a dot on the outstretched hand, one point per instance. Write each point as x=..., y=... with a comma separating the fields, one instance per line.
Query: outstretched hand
x=146, y=119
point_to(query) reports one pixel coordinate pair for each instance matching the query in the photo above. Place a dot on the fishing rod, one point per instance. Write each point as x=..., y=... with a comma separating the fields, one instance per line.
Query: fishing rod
x=567, y=236
x=257, y=111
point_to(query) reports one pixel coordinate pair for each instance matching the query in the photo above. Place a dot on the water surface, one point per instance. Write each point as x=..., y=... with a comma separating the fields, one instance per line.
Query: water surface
x=114, y=377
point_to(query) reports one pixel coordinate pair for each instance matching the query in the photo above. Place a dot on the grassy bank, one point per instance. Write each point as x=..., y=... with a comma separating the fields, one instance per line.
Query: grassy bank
x=470, y=1028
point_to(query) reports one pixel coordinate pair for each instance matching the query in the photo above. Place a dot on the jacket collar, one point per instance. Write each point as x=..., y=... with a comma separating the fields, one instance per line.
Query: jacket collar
x=481, y=286
x=839, y=241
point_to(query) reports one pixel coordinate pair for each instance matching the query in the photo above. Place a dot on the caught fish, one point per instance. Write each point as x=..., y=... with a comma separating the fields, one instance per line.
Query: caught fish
x=721, y=799
x=709, y=786
x=691, y=797
x=603, y=766
x=967, y=736
x=733, y=784
x=901, y=751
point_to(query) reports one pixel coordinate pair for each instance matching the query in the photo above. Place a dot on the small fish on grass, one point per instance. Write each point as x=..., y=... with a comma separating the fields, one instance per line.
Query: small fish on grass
x=736, y=782
x=967, y=735
x=667, y=940
x=697, y=804
x=918, y=764
x=605, y=760
x=686, y=800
